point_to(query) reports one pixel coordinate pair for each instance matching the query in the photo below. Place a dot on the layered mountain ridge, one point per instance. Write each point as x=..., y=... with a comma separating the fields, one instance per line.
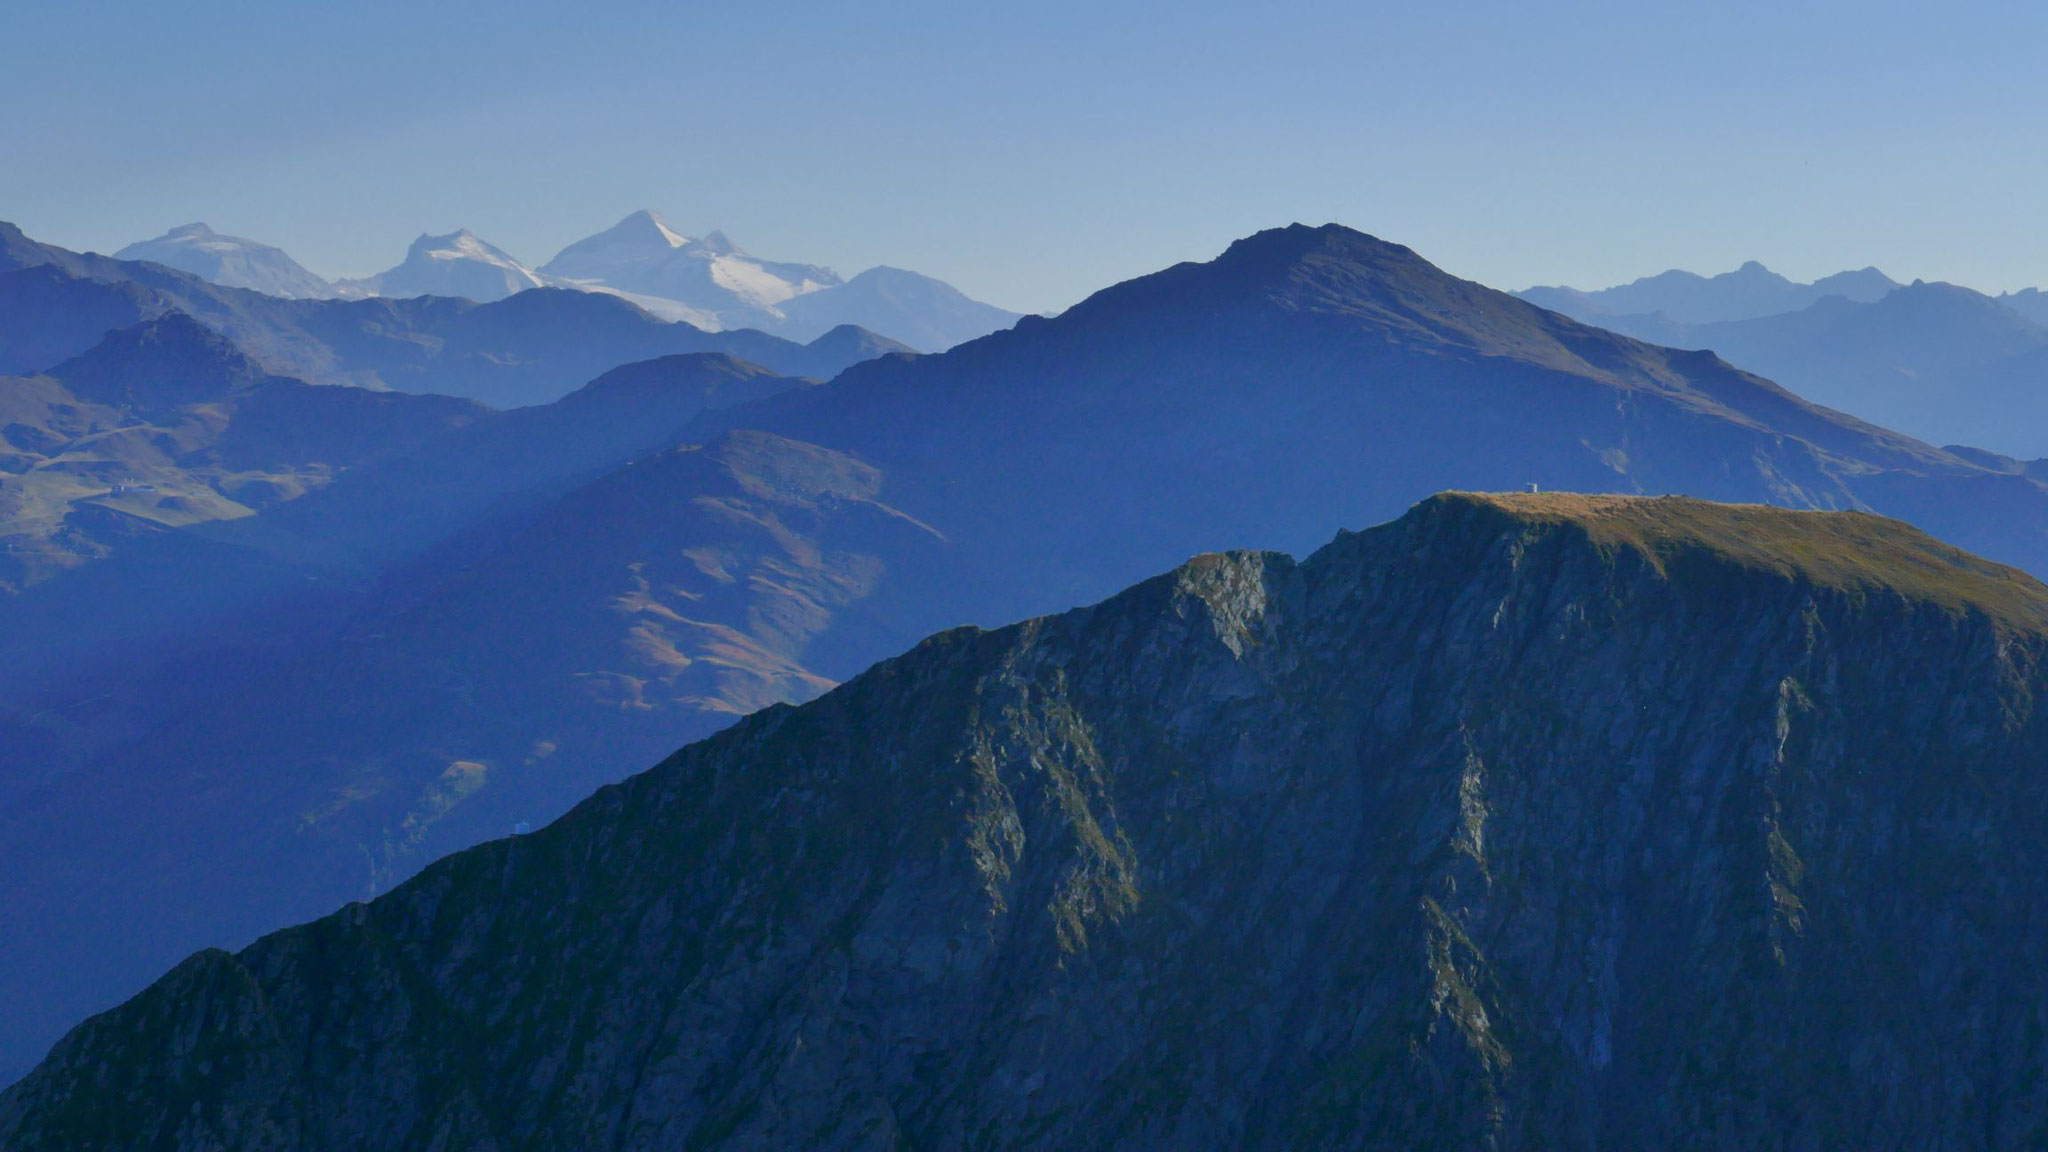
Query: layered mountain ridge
x=707, y=282
x=1940, y=361
x=529, y=348
x=1523, y=821
x=1682, y=297
x=166, y=425
x=1937, y=361
x=1309, y=378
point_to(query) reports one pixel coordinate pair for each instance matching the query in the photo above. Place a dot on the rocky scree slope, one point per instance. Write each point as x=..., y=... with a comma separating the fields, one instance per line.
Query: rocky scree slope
x=1521, y=822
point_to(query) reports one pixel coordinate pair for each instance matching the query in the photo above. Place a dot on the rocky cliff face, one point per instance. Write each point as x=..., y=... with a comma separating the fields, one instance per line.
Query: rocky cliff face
x=1522, y=822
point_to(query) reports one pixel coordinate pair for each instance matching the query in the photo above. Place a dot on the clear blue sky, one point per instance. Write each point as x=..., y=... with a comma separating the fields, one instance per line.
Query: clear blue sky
x=1032, y=152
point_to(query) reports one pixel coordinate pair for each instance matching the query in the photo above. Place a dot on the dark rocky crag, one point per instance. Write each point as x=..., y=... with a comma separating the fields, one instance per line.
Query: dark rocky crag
x=1521, y=822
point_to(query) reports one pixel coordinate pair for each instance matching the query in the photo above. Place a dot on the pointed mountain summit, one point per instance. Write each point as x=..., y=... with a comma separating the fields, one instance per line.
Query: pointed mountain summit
x=1315, y=298
x=852, y=344
x=1519, y=821
x=231, y=261
x=641, y=236
x=160, y=364
x=457, y=264
x=1228, y=401
x=718, y=243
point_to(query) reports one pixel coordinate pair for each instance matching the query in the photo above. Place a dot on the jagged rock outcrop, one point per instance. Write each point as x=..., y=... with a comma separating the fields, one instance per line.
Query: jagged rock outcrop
x=1522, y=822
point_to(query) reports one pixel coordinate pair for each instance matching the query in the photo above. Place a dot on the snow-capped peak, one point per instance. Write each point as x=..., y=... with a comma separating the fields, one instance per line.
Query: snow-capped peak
x=639, y=237
x=229, y=260
x=649, y=220
x=459, y=263
x=466, y=245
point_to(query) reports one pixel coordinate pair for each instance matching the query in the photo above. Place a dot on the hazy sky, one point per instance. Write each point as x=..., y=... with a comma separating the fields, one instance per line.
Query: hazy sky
x=1031, y=152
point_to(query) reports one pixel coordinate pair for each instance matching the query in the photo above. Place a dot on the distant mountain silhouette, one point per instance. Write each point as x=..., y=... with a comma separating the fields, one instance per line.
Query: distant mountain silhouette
x=1307, y=379
x=1937, y=361
x=158, y=365
x=1689, y=298
x=2029, y=302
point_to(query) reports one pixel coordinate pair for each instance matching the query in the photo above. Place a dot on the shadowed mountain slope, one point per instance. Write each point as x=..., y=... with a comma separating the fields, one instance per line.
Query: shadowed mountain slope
x=339, y=488
x=517, y=460
x=677, y=591
x=160, y=426
x=442, y=469
x=1524, y=821
x=161, y=364
x=48, y=315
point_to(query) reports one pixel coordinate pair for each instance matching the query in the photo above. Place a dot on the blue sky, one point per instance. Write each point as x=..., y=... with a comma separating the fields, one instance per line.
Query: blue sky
x=1032, y=152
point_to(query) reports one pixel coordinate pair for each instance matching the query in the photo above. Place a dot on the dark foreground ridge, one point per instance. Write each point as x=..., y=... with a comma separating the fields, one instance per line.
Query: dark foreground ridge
x=1520, y=822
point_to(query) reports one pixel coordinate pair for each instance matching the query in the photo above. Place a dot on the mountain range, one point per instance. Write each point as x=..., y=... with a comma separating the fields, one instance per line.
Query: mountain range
x=1528, y=821
x=526, y=645
x=531, y=348
x=1938, y=361
x=709, y=283
x=1689, y=298
x=1941, y=362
